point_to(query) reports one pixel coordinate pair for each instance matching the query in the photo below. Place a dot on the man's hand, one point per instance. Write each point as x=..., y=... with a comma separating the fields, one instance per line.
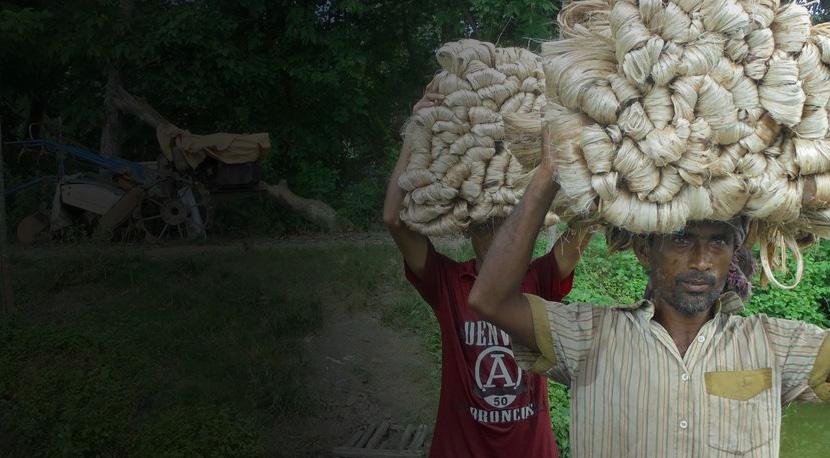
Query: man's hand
x=548, y=153
x=429, y=99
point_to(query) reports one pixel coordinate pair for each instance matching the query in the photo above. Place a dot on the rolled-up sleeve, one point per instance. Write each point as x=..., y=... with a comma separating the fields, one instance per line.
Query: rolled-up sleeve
x=820, y=374
x=564, y=334
x=803, y=352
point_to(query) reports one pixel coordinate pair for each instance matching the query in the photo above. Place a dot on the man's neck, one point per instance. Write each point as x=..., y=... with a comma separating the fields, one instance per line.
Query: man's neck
x=480, y=250
x=681, y=327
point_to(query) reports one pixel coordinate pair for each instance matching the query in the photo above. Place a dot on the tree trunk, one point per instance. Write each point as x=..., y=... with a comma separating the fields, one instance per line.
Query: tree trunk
x=37, y=112
x=316, y=211
x=8, y=296
x=312, y=210
x=112, y=133
x=137, y=107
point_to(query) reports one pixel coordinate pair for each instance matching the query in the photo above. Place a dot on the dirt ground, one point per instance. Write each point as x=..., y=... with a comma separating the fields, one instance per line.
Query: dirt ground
x=364, y=372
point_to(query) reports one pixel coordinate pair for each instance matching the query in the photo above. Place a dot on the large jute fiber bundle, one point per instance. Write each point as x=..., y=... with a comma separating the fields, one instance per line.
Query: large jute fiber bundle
x=464, y=168
x=667, y=111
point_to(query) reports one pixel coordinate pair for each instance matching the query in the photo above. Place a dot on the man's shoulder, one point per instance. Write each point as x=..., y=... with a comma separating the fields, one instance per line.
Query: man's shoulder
x=767, y=322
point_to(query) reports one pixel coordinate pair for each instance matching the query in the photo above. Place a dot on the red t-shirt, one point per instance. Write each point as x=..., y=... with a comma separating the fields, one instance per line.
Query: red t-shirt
x=489, y=407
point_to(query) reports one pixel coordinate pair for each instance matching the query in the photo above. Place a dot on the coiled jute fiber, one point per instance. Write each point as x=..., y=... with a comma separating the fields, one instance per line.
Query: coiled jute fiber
x=463, y=169
x=665, y=112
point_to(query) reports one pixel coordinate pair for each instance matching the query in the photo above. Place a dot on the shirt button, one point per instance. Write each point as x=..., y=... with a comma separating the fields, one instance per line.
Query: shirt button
x=684, y=424
x=701, y=339
x=684, y=377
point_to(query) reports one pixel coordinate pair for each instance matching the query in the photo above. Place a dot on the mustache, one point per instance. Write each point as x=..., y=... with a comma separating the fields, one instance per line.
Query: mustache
x=696, y=277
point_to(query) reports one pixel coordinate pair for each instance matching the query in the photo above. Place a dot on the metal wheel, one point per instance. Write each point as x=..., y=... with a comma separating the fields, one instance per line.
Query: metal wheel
x=182, y=215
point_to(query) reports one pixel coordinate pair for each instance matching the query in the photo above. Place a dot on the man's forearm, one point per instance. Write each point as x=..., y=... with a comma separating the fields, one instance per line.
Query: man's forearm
x=568, y=249
x=509, y=255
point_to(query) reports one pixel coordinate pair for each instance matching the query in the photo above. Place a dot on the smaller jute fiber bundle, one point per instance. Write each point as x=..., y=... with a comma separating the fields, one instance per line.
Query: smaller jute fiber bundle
x=464, y=169
x=668, y=111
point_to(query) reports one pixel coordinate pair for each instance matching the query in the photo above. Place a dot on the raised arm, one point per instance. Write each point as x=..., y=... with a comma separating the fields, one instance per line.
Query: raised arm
x=569, y=247
x=412, y=245
x=496, y=294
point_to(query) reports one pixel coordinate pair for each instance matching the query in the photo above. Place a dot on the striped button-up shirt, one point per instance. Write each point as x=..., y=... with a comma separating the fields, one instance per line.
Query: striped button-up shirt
x=634, y=395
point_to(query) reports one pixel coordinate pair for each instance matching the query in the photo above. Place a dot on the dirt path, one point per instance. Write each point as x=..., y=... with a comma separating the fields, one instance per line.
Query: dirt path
x=361, y=372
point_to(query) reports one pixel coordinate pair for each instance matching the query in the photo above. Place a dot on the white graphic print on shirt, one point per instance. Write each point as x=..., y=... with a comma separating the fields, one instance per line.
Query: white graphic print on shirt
x=499, y=380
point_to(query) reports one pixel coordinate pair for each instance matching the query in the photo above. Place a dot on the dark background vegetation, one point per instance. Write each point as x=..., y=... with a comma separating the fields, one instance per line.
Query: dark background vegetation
x=332, y=80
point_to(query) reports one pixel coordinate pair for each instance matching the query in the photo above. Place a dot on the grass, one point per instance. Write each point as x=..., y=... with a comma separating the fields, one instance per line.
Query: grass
x=125, y=354
x=804, y=432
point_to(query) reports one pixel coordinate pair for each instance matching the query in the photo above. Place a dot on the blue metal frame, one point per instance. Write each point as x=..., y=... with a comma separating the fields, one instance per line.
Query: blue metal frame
x=136, y=170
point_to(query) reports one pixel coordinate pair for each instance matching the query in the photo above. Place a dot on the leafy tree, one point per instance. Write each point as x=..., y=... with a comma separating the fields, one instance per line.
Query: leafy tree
x=331, y=80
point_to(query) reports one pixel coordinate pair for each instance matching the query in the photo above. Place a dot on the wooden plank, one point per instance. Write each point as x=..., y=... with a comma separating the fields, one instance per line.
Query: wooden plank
x=375, y=440
x=375, y=453
x=407, y=434
x=366, y=435
x=418, y=441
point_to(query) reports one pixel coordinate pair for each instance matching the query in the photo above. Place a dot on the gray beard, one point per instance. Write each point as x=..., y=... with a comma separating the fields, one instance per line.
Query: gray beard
x=692, y=304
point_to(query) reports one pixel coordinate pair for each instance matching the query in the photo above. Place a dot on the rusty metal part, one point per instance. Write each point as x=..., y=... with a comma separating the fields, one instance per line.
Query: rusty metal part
x=119, y=213
x=32, y=228
x=174, y=212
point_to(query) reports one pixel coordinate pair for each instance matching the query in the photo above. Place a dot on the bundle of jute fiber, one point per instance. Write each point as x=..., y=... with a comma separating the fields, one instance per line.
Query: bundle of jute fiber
x=464, y=168
x=667, y=111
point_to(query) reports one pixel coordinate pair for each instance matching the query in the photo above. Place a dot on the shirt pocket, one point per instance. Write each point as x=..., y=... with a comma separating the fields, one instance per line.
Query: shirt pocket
x=736, y=401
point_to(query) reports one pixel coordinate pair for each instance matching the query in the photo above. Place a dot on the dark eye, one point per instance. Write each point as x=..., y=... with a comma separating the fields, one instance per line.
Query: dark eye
x=719, y=242
x=680, y=239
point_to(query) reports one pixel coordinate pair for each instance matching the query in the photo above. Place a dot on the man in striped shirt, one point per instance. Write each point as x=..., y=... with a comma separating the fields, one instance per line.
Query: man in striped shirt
x=677, y=374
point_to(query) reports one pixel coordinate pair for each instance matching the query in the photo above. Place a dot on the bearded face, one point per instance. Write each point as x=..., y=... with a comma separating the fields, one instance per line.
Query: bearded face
x=688, y=269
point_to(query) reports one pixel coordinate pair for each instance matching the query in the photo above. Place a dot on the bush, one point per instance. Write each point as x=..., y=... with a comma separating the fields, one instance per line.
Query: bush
x=361, y=202
x=808, y=301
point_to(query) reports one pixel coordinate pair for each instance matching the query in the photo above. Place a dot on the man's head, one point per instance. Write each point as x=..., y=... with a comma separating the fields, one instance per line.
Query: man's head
x=481, y=235
x=690, y=269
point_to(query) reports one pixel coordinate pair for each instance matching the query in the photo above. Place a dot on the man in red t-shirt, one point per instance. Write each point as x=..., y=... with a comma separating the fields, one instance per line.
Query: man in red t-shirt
x=489, y=407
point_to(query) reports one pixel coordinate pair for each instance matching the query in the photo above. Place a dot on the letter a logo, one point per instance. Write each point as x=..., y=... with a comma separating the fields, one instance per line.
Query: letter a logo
x=499, y=371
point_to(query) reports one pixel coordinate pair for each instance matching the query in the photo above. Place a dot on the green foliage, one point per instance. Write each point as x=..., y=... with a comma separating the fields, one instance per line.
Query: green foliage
x=560, y=415
x=517, y=22
x=331, y=81
x=804, y=432
x=607, y=279
x=315, y=180
x=360, y=202
x=809, y=301
x=198, y=431
x=126, y=354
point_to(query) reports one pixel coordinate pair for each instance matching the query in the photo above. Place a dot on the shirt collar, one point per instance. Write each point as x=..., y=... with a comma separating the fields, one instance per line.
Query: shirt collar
x=729, y=303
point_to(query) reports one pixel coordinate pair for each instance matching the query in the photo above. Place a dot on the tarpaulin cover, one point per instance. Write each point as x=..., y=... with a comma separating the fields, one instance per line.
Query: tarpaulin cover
x=225, y=147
